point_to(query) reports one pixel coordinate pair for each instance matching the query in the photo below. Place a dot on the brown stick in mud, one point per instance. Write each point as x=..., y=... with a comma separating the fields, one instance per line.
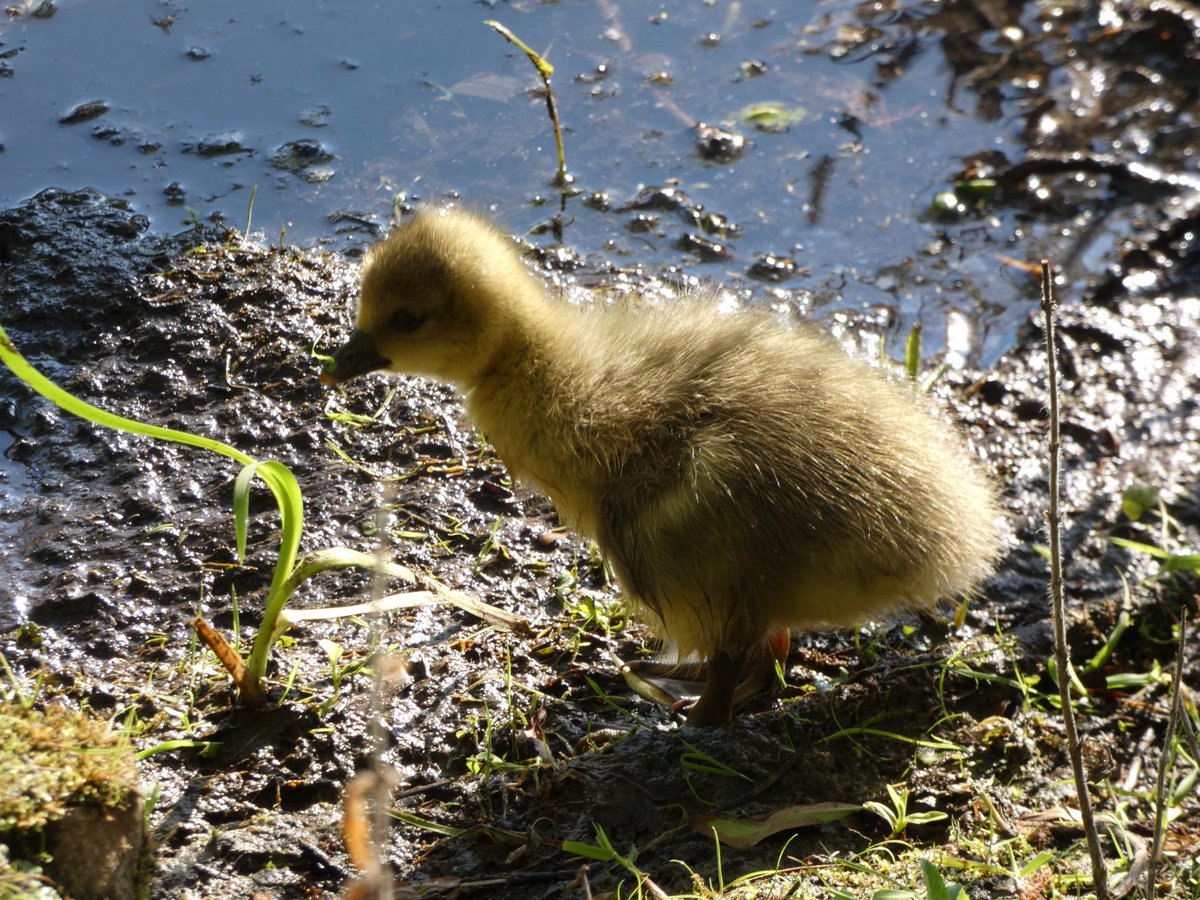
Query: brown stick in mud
x=1062, y=656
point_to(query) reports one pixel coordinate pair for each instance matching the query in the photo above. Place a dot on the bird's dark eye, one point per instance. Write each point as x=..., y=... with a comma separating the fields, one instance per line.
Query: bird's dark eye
x=405, y=320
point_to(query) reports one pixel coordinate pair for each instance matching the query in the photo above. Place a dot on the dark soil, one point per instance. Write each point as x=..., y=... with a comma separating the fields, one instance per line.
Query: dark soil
x=123, y=540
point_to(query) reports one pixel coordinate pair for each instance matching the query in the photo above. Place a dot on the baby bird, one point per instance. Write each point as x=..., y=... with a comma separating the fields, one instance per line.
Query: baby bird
x=742, y=477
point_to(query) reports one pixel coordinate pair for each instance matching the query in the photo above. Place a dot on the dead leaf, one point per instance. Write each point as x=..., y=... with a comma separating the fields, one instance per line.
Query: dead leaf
x=749, y=831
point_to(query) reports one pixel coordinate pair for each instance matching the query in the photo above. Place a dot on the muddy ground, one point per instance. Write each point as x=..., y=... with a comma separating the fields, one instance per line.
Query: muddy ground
x=114, y=543
x=123, y=540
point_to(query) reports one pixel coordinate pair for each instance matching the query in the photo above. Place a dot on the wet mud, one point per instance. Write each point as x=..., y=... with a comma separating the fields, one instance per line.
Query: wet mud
x=122, y=540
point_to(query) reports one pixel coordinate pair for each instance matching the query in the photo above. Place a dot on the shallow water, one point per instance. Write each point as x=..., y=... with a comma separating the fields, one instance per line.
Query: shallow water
x=426, y=101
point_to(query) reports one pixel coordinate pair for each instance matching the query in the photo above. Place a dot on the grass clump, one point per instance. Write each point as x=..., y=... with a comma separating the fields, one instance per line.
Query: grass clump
x=277, y=476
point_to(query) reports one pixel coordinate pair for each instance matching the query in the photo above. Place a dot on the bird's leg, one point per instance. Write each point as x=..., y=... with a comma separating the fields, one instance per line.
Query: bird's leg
x=721, y=691
x=760, y=664
x=715, y=706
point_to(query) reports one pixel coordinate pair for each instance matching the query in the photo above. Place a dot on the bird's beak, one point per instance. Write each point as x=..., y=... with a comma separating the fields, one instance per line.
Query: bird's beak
x=357, y=356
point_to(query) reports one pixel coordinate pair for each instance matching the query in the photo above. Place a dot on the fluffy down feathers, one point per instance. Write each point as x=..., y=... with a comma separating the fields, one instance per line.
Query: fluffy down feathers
x=741, y=476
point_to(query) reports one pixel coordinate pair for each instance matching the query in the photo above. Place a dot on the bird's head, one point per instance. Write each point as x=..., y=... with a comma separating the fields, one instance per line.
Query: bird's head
x=437, y=298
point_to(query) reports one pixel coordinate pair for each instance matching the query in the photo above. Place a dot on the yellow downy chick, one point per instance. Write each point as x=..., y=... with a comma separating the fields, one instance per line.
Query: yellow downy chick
x=742, y=477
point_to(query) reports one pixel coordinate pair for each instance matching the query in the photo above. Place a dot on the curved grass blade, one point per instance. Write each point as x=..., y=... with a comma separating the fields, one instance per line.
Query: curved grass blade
x=56, y=395
x=283, y=485
x=277, y=476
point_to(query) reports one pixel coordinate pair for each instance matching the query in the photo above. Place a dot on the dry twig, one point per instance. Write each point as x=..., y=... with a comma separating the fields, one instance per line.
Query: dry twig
x=1165, y=759
x=1062, y=656
x=545, y=70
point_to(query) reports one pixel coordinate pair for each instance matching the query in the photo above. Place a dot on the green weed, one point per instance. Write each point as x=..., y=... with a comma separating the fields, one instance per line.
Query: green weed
x=897, y=815
x=288, y=573
x=604, y=851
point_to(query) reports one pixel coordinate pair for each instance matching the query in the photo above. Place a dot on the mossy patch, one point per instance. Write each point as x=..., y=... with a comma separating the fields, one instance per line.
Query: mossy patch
x=57, y=758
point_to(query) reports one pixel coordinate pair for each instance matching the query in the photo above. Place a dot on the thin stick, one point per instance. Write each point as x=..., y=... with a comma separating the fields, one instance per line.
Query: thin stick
x=249, y=213
x=1062, y=656
x=1165, y=758
x=251, y=687
x=384, y=776
x=434, y=594
x=545, y=70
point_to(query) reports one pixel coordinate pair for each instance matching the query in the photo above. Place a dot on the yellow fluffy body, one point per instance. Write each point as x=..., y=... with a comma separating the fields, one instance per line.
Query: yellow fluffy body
x=741, y=476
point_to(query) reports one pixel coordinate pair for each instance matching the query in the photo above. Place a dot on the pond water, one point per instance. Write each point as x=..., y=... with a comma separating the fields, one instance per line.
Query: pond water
x=853, y=117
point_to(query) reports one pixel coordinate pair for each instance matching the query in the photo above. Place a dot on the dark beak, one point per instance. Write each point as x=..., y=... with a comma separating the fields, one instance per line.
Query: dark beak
x=357, y=356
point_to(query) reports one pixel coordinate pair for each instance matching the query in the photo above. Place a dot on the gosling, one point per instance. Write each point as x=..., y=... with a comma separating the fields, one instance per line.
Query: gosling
x=743, y=478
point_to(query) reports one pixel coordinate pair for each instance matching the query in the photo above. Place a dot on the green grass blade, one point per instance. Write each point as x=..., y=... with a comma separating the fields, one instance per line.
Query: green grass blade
x=912, y=351
x=241, y=508
x=578, y=848
x=1148, y=549
x=282, y=482
x=56, y=395
x=1189, y=562
x=277, y=476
